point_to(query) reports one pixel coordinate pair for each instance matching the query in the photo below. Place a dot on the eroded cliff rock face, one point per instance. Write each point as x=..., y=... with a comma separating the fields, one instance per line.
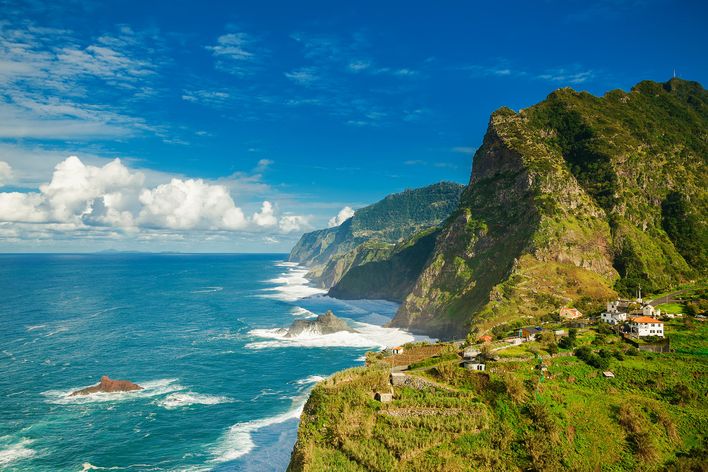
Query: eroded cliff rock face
x=568, y=201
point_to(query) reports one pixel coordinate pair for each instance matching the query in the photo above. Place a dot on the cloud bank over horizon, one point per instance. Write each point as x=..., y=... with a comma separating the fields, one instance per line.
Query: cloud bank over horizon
x=113, y=201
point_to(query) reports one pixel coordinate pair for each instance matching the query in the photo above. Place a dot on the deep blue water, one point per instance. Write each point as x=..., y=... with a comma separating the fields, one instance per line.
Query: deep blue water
x=223, y=389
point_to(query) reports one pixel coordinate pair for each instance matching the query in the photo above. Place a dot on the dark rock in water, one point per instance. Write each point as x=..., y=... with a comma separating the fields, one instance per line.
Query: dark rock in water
x=324, y=324
x=109, y=385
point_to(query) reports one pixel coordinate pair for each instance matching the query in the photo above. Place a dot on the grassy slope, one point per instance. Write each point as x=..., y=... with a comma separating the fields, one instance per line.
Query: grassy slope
x=651, y=416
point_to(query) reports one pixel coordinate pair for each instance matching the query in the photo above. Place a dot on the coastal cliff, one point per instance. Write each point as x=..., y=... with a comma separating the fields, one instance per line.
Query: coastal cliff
x=569, y=202
x=373, y=232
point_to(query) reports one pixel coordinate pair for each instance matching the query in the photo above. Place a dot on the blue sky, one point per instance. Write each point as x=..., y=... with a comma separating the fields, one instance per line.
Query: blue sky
x=217, y=107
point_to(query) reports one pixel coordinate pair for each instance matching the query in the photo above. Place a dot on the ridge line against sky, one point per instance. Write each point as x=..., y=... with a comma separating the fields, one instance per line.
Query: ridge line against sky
x=222, y=127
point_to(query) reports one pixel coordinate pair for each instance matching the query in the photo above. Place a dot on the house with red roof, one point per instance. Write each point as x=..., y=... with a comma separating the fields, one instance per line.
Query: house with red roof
x=646, y=326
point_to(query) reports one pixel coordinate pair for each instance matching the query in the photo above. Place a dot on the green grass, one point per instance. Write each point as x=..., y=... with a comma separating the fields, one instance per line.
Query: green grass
x=673, y=308
x=652, y=416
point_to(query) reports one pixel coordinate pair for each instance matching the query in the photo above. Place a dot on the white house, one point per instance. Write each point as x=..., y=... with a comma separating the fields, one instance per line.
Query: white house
x=650, y=311
x=614, y=313
x=397, y=350
x=646, y=326
x=475, y=366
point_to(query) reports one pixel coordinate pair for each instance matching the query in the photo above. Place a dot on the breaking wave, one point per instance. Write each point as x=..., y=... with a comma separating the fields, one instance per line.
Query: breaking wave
x=238, y=440
x=184, y=399
x=291, y=285
x=312, y=379
x=15, y=452
x=368, y=336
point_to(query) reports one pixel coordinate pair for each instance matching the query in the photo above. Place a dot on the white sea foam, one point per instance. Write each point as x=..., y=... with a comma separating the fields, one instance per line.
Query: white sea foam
x=16, y=452
x=183, y=399
x=286, y=264
x=208, y=290
x=150, y=389
x=291, y=285
x=302, y=312
x=368, y=336
x=238, y=440
x=310, y=380
x=33, y=327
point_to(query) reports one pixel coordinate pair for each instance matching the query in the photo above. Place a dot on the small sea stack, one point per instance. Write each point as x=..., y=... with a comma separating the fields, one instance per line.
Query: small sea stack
x=108, y=385
x=324, y=324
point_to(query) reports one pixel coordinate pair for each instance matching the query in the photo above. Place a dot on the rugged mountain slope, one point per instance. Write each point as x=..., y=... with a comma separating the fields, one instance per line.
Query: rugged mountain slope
x=392, y=276
x=374, y=230
x=568, y=201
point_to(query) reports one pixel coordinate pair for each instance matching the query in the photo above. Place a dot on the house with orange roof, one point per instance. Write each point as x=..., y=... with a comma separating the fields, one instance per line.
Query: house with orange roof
x=397, y=350
x=646, y=326
x=570, y=313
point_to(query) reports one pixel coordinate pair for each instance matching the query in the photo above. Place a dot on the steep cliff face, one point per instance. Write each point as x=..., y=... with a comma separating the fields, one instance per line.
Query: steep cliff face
x=568, y=201
x=392, y=276
x=373, y=231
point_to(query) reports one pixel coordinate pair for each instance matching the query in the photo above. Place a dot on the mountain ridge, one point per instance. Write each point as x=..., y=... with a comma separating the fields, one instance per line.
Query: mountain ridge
x=574, y=191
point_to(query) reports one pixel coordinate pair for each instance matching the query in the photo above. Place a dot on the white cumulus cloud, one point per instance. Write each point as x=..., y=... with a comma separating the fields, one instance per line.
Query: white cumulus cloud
x=293, y=223
x=75, y=187
x=266, y=216
x=343, y=215
x=190, y=204
x=21, y=207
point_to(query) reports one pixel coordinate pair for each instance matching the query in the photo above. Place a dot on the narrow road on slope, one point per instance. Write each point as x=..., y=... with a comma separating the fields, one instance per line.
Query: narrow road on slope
x=668, y=298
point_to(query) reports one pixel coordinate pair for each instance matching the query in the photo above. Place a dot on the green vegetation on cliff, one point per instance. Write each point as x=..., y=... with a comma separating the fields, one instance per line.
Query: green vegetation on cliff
x=651, y=416
x=373, y=231
x=571, y=201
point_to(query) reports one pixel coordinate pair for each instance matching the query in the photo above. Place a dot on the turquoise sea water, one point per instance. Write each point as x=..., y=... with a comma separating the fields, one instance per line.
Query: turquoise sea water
x=223, y=387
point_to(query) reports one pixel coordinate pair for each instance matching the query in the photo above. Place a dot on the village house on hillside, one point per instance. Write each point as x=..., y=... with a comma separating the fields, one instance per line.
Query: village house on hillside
x=646, y=326
x=570, y=313
x=616, y=312
x=529, y=333
x=648, y=310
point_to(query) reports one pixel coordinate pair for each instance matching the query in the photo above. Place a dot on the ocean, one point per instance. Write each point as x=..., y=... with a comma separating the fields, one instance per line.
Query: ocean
x=223, y=388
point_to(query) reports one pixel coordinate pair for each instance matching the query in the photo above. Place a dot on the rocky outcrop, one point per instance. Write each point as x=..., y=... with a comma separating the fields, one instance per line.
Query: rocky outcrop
x=108, y=385
x=323, y=324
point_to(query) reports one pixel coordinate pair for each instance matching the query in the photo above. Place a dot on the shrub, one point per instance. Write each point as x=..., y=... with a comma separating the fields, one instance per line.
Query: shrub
x=602, y=363
x=583, y=353
x=632, y=351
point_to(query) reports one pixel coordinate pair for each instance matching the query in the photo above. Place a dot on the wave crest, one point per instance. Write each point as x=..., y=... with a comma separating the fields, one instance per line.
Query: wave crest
x=184, y=399
x=16, y=452
x=368, y=336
